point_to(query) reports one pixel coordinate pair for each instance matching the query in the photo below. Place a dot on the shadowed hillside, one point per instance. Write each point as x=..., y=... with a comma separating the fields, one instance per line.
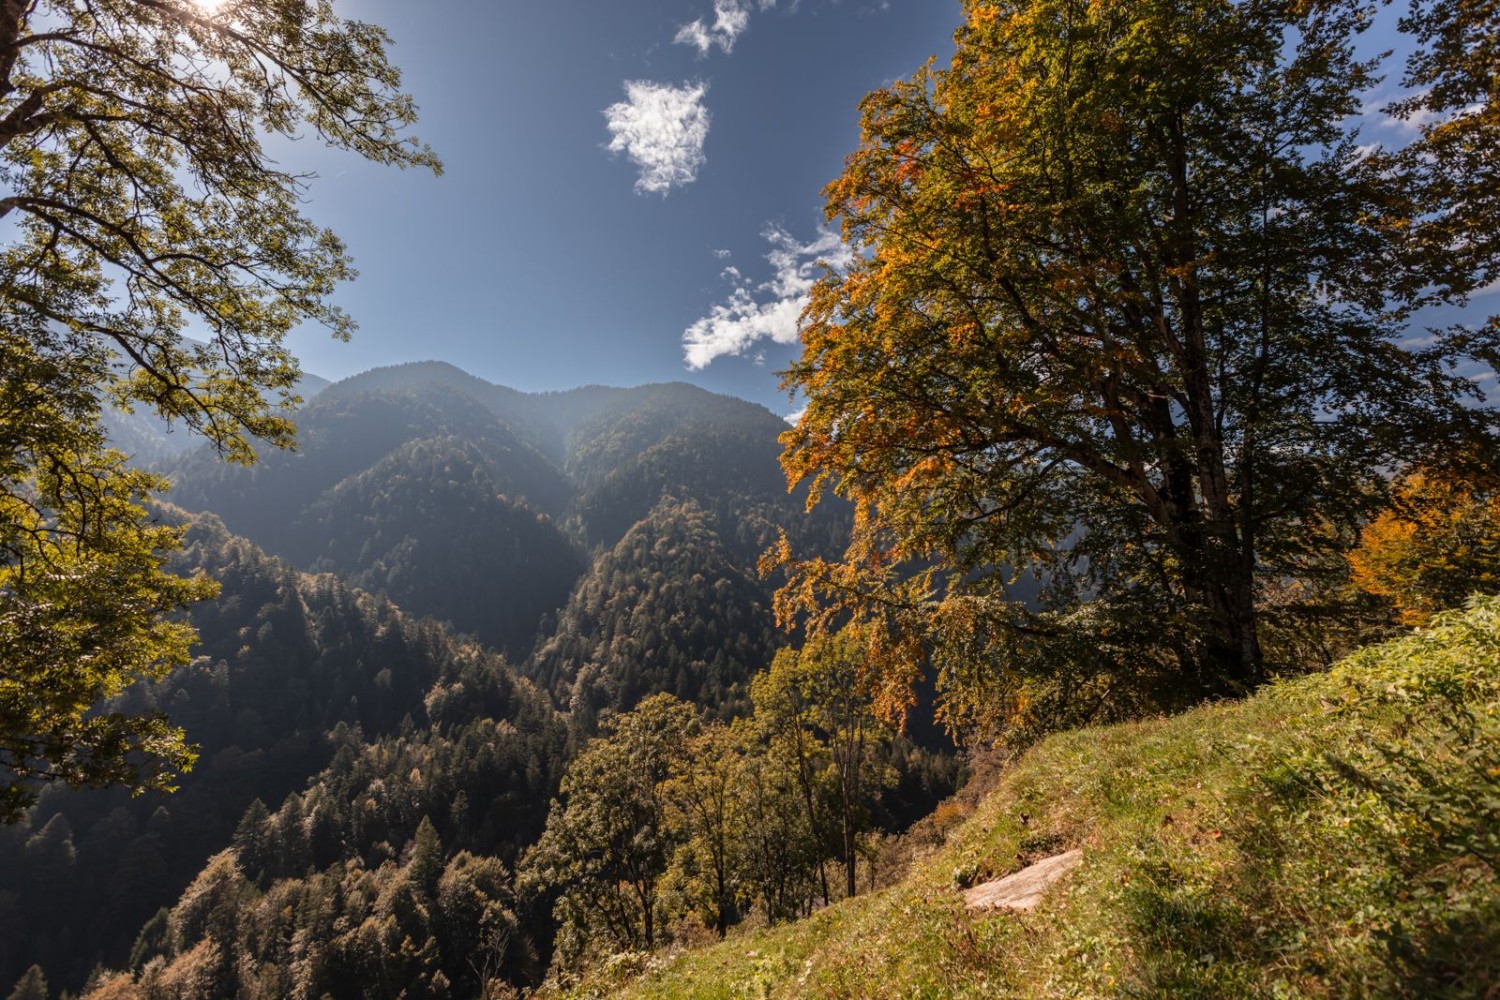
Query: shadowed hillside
x=484, y=507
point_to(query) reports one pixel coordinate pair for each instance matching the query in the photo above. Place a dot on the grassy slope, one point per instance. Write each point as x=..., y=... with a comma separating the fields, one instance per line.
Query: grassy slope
x=1334, y=836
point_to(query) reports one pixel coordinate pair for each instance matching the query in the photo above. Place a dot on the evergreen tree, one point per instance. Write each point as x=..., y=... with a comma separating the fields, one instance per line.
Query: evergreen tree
x=32, y=986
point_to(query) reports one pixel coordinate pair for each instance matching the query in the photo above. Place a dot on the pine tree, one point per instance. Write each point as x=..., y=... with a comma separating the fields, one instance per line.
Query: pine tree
x=32, y=986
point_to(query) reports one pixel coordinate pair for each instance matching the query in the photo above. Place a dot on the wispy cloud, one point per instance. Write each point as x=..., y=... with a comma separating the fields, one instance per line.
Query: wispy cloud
x=661, y=128
x=767, y=311
x=1375, y=116
x=731, y=18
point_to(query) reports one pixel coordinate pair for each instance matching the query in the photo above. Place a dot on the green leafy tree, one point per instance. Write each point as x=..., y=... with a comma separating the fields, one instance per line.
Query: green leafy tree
x=816, y=700
x=705, y=792
x=1126, y=311
x=609, y=842
x=482, y=939
x=140, y=205
x=83, y=613
x=795, y=751
x=778, y=852
x=1453, y=98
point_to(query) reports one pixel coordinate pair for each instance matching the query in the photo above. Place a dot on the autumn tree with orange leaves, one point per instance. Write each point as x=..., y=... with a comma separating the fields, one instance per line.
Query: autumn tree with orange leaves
x=1127, y=314
x=1438, y=543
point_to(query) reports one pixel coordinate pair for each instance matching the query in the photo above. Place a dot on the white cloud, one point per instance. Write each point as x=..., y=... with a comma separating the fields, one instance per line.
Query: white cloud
x=731, y=18
x=795, y=417
x=770, y=310
x=661, y=129
x=1376, y=116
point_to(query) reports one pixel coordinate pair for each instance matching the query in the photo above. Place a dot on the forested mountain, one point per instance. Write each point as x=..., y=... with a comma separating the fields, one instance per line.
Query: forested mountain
x=482, y=506
x=1121, y=401
x=348, y=430
x=664, y=610
x=430, y=526
x=350, y=718
x=605, y=539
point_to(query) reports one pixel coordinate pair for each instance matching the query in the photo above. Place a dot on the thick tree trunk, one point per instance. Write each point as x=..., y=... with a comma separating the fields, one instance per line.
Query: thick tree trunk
x=1219, y=581
x=13, y=15
x=1218, y=571
x=1240, y=664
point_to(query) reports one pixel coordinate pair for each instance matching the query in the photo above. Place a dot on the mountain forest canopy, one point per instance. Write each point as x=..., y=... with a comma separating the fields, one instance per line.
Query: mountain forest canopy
x=142, y=202
x=332, y=727
x=1130, y=311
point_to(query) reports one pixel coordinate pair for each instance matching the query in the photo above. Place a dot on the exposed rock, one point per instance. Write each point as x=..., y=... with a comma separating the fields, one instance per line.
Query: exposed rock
x=1025, y=888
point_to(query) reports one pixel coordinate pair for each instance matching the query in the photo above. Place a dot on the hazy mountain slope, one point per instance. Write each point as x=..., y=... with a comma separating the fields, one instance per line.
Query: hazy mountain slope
x=438, y=378
x=664, y=610
x=429, y=527
x=423, y=483
x=290, y=666
x=151, y=441
x=724, y=458
x=344, y=433
x=623, y=424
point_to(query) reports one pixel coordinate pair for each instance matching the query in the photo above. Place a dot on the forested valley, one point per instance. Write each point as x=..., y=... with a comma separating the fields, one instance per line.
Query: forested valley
x=467, y=584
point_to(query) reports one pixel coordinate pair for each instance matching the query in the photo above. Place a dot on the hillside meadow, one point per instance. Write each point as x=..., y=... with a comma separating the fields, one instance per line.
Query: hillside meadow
x=1335, y=835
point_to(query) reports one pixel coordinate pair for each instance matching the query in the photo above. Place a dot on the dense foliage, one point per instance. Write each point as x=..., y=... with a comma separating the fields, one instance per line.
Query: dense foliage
x=673, y=824
x=1128, y=311
x=1438, y=543
x=362, y=722
x=1117, y=381
x=139, y=201
x=664, y=610
x=430, y=527
x=84, y=606
x=294, y=675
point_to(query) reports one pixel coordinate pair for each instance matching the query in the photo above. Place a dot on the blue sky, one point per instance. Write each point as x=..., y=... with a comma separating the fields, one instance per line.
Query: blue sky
x=632, y=186
x=541, y=259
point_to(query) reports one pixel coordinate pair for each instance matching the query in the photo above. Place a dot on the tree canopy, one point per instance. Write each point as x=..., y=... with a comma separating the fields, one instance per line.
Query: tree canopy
x=142, y=206
x=1128, y=311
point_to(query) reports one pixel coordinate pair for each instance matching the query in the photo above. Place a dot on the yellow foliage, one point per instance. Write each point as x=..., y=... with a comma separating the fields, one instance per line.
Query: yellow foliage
x=1437, y=543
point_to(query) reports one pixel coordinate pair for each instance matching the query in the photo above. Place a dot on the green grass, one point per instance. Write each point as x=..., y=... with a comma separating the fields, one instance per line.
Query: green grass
x=1334, y=836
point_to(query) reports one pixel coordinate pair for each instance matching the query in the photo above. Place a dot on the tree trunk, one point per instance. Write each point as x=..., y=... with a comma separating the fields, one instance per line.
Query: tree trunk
x=850, y=888
x=1219, y=580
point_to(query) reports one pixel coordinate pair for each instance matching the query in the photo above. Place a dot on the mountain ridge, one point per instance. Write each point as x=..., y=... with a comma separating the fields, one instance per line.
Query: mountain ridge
x=410, y=478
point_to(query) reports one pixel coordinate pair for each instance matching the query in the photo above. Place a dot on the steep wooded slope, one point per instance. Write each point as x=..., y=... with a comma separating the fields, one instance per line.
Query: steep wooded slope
x=474, y=503
x=295, y=673
x=664, y=610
